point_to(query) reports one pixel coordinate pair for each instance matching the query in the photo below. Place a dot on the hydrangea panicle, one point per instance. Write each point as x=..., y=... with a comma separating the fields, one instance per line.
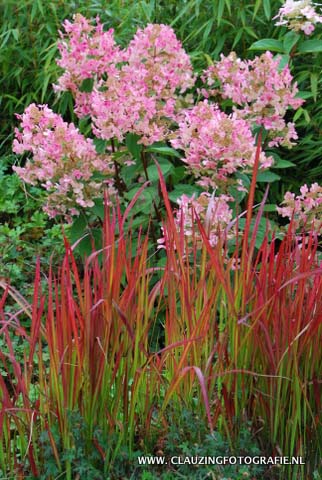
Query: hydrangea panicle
x=304, y=209
x=134, y=90
x=299, y=16
x=216, y=145
x=63, y=161
x=260, y=91
x=87, y=52
x=142, y=98
x=213, y=212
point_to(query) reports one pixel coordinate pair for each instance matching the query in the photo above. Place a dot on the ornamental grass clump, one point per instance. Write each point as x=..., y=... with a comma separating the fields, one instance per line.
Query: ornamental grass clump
x=234, y=345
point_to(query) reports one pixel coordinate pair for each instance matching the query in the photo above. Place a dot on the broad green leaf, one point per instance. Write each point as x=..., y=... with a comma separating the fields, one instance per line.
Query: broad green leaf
x=284, y=60
x=87, y=85
x=219, y=46
x=141, y=221
x=144, y=203
x=290, y=39
x=310, y=46
x=244, y=178
x=270, y=207
x=128, y=173
x=268, y=44
x=261, y=231
x=15, y=33
x=98, y=208
x=298, y=114
x=280, y=163
x=237, y=195
x=210, y=61
x=304, y=95
x=78, y=228
x=163, y=151
x=178, y=174
x=165, y=166
x=267, y=177
x=133, y=146
x=148, y=193
x=180, y=190
x=100, y=145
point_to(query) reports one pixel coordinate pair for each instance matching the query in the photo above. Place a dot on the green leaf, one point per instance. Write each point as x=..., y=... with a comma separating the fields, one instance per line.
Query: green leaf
x=15, y=33
x=100, y=145
x=310, y=46
x=221, y=8
x=283, y=164
x=304, y=95
x=267, y=8
x=261, y=231
x=178, y=174
x=290, y=40
x=238, y=37
x=207, y=31
x=268, y=44
x=128, y=173
x=270, y=207
x=144, y=203
x=298, y=114
x=163, y=151
x=180, y=190
x=237, y=195
x=98, y=208
x=133, y=146
x=78, y=228
x=314, y=85
x=142, y=221
x=257, y=5
x=87, y=85
x=166, y=168
x=93, y=241
x=267, y=177
x=284, y=60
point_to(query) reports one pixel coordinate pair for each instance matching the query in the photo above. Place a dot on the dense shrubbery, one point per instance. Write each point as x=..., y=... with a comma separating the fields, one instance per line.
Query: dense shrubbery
x=187, y=288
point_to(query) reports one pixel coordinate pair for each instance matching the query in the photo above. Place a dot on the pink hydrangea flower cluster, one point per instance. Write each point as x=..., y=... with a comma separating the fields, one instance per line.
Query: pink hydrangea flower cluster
x=216, y=145
x=299, y=16
x=87, y=52
x=63, y=161
x=305, y=208
x=213, y=212
x=261, y=93
x=135, y=90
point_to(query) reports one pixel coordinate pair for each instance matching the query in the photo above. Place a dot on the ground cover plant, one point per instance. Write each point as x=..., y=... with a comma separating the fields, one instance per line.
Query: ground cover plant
x=184, y=316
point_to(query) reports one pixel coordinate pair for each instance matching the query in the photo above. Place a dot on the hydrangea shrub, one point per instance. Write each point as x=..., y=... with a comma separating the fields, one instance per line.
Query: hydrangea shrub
x=147, y=90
